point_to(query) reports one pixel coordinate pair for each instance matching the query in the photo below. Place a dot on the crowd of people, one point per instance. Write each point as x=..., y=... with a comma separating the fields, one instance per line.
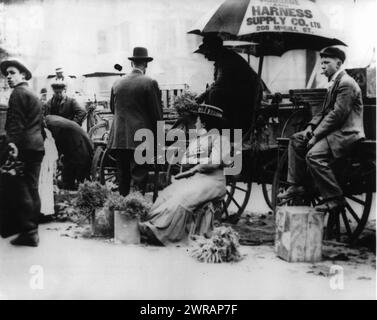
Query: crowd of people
x=135, y=101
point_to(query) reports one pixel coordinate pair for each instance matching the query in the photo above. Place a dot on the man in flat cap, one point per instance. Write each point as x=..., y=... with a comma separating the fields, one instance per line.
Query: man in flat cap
x=24, y=136
x=328, y=136
x=237, y=88
x=62, y=105
x=136, y=104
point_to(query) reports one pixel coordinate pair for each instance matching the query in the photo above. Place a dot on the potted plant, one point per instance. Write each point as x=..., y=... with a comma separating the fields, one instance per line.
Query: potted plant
x=90, y=200
x=127, y=213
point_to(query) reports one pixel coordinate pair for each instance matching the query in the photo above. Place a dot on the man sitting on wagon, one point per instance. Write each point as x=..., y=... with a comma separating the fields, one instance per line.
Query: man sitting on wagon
x=329, y=135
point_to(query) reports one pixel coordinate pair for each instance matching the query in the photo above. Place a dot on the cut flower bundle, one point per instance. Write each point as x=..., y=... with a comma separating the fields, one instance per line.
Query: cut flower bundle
x=221, y=247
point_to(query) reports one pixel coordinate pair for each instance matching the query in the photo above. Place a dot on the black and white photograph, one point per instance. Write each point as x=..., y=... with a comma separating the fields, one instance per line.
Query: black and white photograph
x=175, y=150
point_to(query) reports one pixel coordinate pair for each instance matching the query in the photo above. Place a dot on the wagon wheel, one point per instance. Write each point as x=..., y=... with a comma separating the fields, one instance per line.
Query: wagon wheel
x=295, y=122
x=237, y=196
x=108, y=172
x=269, y=170
x=349, y=222
x=102, y=127
x=96, y=163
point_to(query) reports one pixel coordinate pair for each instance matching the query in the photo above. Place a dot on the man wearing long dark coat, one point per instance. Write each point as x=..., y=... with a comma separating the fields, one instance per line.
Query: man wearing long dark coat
x=237, y=88
x=76, y=148
x=136, y=104
x=25, y=142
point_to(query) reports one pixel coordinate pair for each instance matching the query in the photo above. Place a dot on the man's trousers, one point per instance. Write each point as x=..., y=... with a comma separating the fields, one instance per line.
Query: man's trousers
x=129, y=171
x=317, y=161
x=20, y=195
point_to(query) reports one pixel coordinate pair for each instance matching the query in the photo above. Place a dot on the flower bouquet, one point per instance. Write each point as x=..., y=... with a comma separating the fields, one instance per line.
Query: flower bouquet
x=221, y=247
x=185, y=103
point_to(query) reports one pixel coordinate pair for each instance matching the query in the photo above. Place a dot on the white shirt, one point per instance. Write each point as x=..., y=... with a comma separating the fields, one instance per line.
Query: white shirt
x=333, y=77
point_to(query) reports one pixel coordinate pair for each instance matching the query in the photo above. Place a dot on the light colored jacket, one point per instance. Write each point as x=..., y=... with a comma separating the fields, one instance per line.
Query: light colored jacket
x=341, y=118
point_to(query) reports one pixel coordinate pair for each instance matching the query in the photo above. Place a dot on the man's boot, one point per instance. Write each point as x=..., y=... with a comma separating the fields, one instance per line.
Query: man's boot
x=29, y=238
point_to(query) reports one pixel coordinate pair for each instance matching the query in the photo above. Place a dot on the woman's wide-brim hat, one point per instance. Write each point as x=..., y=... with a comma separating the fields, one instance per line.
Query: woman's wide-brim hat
x=208, y=110
x=140, y=53
x=17, y=63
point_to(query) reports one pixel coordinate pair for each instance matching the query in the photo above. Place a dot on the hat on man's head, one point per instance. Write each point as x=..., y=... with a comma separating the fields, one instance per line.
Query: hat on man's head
x=210, y=42
x=333, y=52
x=140, y=53
x=15, y=62
x=43, y=90
x=59, y=70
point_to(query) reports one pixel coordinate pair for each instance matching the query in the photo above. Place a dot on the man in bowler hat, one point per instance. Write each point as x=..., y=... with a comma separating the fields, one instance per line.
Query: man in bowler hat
x=136, y=104
x=24, y=137
x=328, y=136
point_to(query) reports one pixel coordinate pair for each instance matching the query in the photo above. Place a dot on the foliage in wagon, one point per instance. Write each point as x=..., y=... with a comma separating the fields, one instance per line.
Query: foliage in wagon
x=185, y=102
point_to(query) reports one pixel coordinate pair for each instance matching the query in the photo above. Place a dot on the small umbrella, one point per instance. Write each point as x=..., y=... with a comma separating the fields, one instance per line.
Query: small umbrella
x=277, y=26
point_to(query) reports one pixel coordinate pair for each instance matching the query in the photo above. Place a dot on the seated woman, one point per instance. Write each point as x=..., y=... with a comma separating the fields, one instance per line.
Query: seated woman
x=202, y=180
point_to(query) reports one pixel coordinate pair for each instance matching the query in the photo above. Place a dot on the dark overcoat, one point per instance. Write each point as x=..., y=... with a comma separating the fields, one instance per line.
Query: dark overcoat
x=71, y=140
x=19, y=199
x=136, y=104
x=236, y=90
x=67, y=108
x=24, y=119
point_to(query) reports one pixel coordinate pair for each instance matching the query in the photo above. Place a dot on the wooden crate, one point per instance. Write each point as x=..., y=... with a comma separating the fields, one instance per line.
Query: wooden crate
x=299, y=233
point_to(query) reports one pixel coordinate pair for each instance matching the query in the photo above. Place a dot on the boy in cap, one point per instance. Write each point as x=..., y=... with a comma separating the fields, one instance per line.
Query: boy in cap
x=24, y=136
x=328, y=136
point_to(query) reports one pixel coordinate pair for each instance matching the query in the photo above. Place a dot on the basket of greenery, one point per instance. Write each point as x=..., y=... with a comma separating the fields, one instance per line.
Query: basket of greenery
x=90, y=198
x=128, y=211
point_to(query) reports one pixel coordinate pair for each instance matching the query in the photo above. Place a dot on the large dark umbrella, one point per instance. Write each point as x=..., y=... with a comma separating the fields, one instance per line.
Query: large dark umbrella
x=277, y=26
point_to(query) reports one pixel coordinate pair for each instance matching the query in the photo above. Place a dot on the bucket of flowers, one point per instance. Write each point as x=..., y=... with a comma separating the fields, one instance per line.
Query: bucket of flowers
x=128, y=211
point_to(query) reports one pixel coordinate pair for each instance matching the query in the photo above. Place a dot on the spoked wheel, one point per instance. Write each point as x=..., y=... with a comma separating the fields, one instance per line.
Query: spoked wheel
x=351, y=220
x=96, y=163
x=267, y=194
x=268, y=171
x=236, y=199
x=108, y=172
x=345, y=224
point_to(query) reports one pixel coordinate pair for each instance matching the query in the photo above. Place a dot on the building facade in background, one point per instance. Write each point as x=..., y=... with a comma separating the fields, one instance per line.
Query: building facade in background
x=88, y=36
